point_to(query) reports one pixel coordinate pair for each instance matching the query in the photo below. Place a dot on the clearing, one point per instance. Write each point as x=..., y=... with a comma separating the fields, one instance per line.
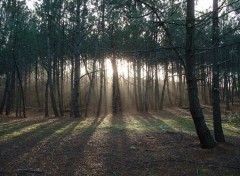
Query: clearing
x=162, y=143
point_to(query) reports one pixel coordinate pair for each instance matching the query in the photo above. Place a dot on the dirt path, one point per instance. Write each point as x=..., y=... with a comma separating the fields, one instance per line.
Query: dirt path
x=122, y=145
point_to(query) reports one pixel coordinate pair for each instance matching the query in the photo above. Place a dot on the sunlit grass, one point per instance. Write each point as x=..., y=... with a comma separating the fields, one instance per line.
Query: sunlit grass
x=55, y=128
x=19, y=130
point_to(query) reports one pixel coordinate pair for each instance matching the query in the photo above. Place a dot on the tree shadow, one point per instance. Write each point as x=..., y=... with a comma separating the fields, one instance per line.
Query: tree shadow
x=153, y=123
x=11, y=127
x=23, y=150
x=70, y=152
x=118, y=146
x=178, y=123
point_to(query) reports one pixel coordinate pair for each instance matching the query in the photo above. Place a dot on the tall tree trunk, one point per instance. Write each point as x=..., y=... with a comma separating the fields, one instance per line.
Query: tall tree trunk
x=103, y=80
x=59, y=67
x=173, y=83
x=226, y=90
x=169, y=93
x=5, y=94
x=217, y=121
x=180, y=103
x=10, y=92
x=18, y=72
x=135, y=85
x=60, y=88
x=146, y=96
x=91, y=86
x=76, y=87
x=49, y=75
x=210, y=84
x=234, y=87
x=203, y=132
x=101, y=88
x=105, y=89
x=18, y=100
x=46, y=100
x=164, y=86
x=238, y=73
x=116, y=98
x=57, y=79
x=156, y=88
x=139, y=85
x=36, y=83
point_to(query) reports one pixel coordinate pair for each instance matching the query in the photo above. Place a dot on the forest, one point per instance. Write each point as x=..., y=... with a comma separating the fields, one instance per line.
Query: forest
x=119, y=87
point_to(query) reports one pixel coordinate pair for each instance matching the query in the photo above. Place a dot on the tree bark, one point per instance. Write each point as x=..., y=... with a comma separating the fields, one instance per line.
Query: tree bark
x=10, y=92
x=36, y=83
x=146, y=96
x=156, y=88
x=164, y=86
x=180, y=102
x=226, y=89
x=202, y=130
x=174, y=94
x=116, y=98
x=217, y=121
x=46, y=100
x=139, y=86
x=6, y=89
x=49, y=77
x=91, y=86
x=101, y=88
x=135, y=85
x=76, y=87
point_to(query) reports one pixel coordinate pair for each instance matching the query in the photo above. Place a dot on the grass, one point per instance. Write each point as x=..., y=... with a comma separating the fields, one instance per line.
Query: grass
x=109, y=144
x=140, y=124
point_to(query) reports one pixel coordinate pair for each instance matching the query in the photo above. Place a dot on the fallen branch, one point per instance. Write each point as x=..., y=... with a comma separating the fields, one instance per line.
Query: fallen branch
x=24, y=171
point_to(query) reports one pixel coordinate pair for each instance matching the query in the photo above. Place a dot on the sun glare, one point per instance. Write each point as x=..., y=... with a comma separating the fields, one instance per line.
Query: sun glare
x=203, y=5
x=30, y=4
x=122, y=66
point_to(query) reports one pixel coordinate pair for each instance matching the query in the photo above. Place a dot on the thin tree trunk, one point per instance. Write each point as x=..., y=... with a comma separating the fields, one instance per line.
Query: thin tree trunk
x=57, y=79
x=164, y=86
x=173, y=83
x=169, y=93
x=36, y=83
x=101, y=88
x=180, y=103
x=91, y=86
x=146, y=97
x=72, y=85
x=46, y=100
x=6, y=89
x=156, y=88
x=18, y=74
x=61, y=87
x=226, y=90
x=116, y=98
x=50, y=82
x=238, y=78
x=105, y=88
x=234, y=88
x=135, y=85
x=139, y=86
x=10, y=92
x=217, y=121
x=76, y=88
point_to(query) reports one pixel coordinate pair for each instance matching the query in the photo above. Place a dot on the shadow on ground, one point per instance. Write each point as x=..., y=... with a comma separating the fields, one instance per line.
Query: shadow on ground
x=125, y=144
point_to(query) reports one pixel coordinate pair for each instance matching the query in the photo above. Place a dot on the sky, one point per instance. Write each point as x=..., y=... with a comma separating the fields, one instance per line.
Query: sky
x=30, y=4
x=203, y=5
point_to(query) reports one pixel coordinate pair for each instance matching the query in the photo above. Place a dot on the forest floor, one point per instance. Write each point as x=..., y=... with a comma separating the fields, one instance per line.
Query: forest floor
x=162, y=143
